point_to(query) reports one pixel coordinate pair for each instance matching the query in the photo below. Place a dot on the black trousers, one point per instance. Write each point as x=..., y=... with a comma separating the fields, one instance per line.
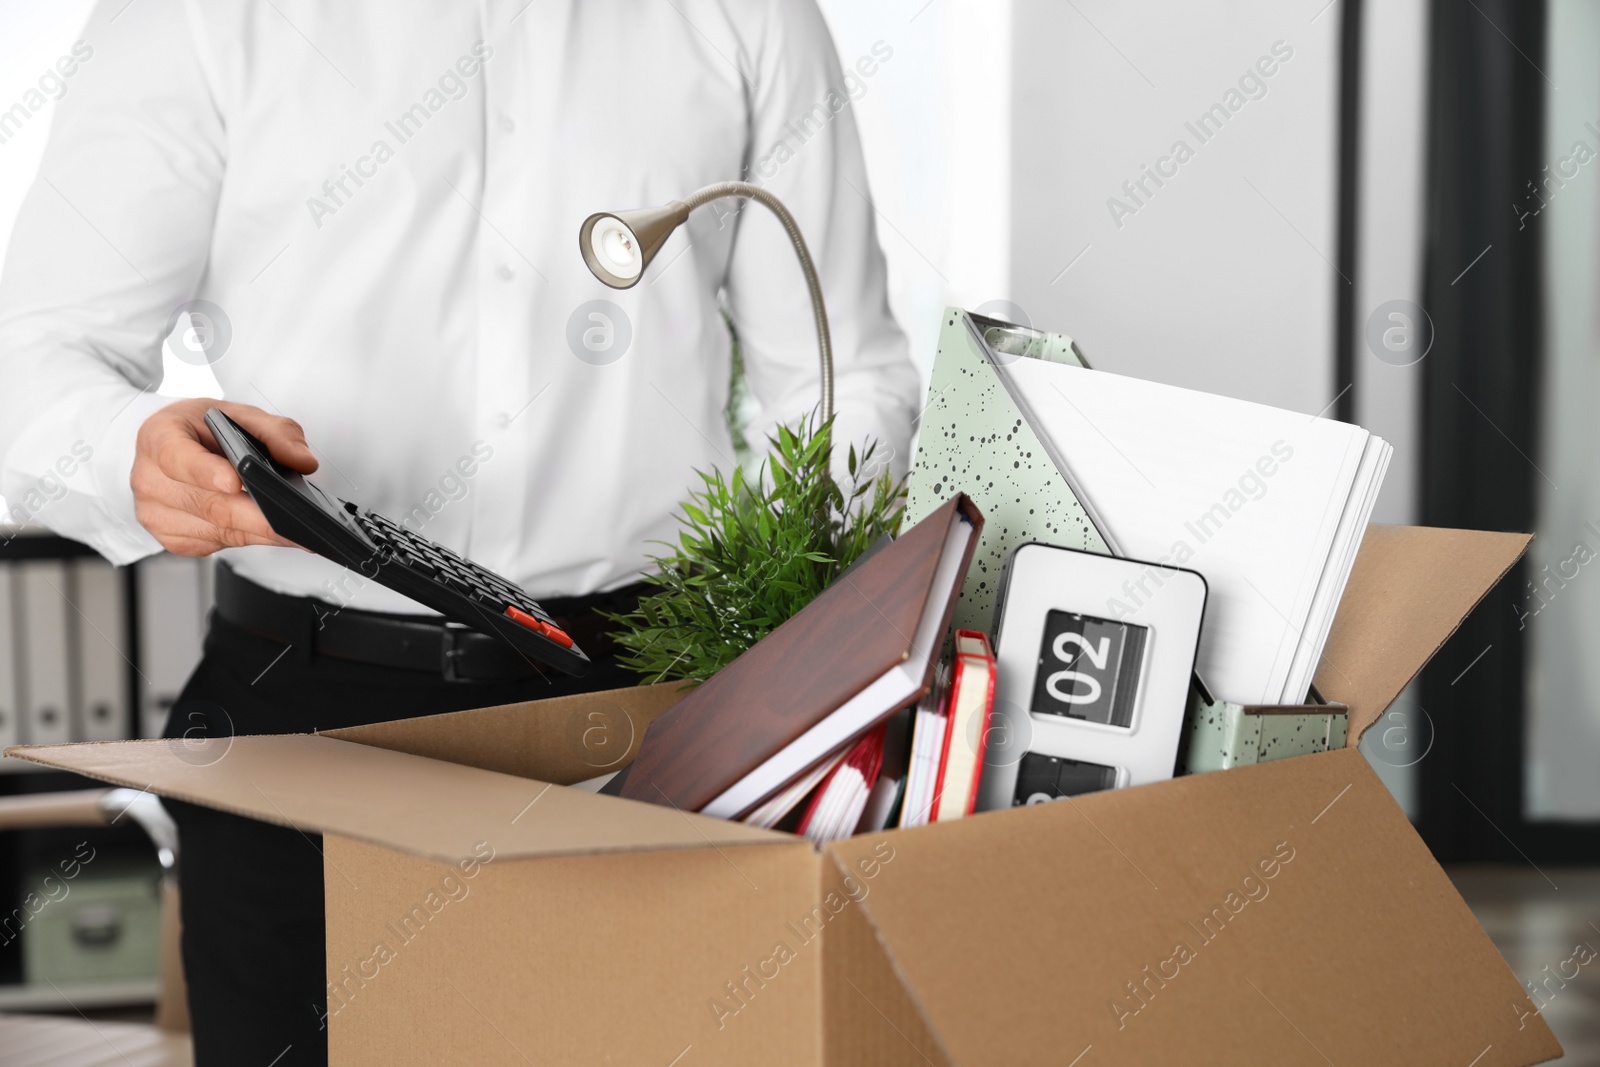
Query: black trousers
x=253, y=927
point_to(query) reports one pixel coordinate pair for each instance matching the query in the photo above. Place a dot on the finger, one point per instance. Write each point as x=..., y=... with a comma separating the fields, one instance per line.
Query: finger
x=223, y=512
x=187, y=534
x=235, y=514
x=181, y=457
x=153, y=486
x=177, y=531
x=283, y=437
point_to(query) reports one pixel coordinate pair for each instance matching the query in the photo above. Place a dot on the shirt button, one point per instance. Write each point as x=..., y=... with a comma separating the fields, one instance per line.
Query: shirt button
x=505, y=272
x=506, y=124
x=502, y=420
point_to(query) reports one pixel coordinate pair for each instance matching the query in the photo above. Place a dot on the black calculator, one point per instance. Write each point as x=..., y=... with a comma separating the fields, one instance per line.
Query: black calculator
x=391, y=555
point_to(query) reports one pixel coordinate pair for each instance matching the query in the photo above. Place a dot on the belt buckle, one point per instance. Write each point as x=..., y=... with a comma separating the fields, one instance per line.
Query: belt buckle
x=450, y=651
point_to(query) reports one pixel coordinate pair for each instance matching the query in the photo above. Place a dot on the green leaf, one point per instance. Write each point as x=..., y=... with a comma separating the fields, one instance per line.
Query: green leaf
x=752, y=550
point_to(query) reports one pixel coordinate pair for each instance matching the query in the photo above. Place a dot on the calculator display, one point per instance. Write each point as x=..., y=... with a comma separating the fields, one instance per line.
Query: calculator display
x=1089, y=668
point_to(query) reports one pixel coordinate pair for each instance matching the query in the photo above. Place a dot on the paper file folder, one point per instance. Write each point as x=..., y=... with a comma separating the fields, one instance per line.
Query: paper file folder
x=171, y=629
x=100, y=626
x=43, y=633
x=10, y=707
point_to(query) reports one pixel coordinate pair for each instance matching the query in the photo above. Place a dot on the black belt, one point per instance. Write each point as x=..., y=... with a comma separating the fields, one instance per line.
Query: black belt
x=409, y=642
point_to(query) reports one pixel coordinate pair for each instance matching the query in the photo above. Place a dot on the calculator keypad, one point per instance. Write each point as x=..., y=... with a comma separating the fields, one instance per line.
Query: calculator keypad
x=457, y=573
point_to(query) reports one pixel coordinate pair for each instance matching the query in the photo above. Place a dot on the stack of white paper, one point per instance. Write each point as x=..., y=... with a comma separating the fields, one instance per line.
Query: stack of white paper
x=927, y=747
x=1269, y=505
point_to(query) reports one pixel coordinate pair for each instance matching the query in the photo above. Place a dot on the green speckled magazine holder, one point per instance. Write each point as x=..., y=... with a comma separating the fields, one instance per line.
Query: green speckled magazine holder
x=975, y=440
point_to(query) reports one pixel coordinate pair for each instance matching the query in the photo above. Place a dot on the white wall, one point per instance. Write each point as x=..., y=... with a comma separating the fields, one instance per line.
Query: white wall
x=1222, y=277
x=935, y=124
x=1388, y=389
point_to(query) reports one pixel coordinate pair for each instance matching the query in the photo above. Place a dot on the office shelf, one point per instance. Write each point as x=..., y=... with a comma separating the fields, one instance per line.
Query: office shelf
x=28, y=542
x=122, y=992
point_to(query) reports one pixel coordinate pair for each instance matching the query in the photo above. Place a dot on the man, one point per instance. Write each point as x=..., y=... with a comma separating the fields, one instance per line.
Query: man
x=378, y=210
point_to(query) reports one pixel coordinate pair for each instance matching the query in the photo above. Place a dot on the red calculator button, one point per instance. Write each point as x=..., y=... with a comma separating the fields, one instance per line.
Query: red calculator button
x=516, y=614
x=558, y=635
x=538, y=626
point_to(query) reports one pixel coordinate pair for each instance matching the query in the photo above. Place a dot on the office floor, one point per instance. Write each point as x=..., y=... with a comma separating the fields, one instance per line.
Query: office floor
x=1536, y=922
x=50, y=1041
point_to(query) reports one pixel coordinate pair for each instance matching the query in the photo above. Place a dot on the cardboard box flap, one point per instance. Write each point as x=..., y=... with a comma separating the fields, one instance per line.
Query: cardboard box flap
x=1409, y=590
x=560, y=739
x=422, y=806
x=1282, y=913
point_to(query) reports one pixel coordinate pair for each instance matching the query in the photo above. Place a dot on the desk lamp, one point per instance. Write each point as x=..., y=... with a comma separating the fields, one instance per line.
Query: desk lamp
x=619, y=245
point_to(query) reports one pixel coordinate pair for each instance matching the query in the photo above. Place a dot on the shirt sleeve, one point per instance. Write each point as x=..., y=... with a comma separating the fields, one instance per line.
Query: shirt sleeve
x=805, y=149
x=111, y=240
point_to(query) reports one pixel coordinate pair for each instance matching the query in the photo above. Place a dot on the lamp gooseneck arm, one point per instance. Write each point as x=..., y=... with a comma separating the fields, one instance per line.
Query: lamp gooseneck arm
x=754, y=192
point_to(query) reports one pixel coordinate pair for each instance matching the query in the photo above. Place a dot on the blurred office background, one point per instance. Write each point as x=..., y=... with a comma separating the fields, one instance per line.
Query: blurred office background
x=87, y=652
x=1385, y=213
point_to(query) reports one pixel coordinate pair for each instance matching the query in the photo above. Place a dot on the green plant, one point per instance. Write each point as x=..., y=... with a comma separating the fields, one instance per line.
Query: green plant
x=753, y=552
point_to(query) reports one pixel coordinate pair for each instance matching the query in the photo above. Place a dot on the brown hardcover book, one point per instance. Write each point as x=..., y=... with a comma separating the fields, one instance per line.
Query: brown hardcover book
x=862, y=650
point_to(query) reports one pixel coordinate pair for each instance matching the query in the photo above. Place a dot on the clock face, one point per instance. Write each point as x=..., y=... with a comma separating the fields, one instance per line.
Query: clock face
x=1041, y=779
x=1089, y=668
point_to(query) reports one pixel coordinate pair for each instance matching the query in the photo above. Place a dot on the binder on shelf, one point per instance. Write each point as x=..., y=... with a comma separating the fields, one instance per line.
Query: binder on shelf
x=10, y=705
x=172, y=610
x=44, y=660
x=100, y=638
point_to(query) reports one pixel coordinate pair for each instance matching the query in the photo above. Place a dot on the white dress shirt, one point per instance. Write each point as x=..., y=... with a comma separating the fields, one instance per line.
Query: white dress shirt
x=385, y=205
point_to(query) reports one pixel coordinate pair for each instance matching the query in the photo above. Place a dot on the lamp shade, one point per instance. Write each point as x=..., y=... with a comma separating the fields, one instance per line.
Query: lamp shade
x=618, y=246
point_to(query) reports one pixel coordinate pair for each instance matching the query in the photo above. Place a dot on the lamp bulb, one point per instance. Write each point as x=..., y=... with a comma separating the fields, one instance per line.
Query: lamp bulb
x=616, y=247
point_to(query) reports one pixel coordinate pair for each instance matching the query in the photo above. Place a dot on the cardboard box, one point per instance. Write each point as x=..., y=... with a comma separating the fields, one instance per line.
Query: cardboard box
x=1282, y=913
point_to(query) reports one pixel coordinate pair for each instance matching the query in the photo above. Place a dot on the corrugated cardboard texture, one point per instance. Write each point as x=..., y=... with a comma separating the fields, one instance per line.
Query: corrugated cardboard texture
x=1033, y=935
x=615, y=959
x=561, y=740
x=868, y=1016
x=422, y=806
x=1409, y=590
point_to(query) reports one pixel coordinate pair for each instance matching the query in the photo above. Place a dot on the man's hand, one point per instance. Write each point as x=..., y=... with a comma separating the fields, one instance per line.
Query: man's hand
x=188, y=495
